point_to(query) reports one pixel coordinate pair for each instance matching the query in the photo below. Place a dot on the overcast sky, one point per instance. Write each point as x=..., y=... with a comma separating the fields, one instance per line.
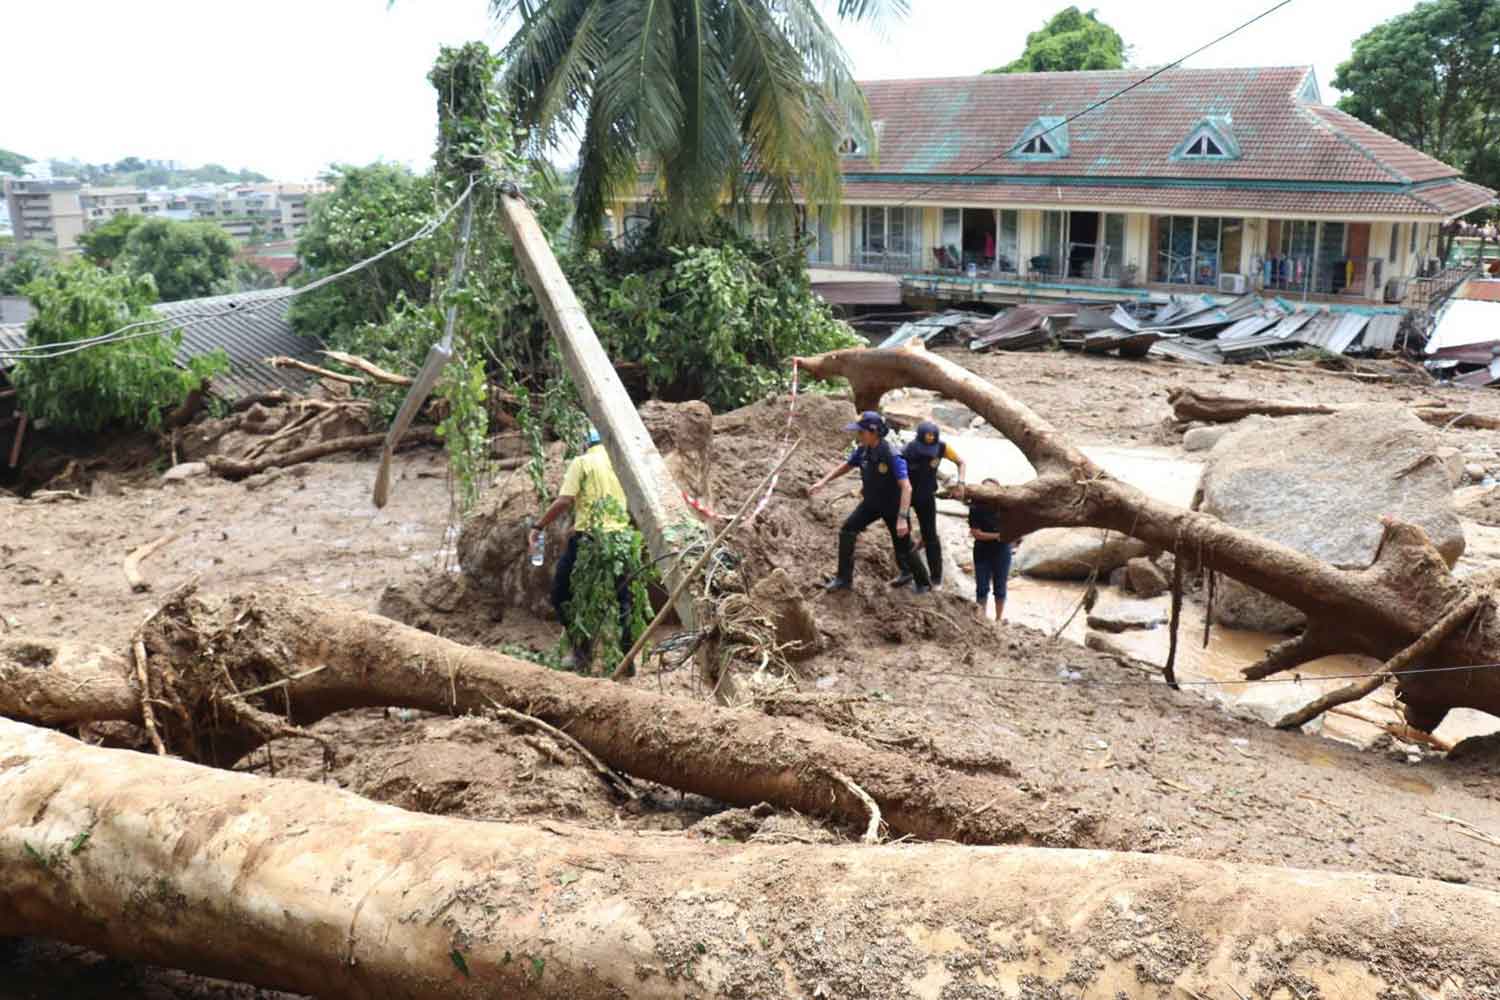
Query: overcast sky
x=288, y=86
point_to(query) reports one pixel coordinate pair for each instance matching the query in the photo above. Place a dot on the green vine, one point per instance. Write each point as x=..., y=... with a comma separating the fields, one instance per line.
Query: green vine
x=609, y=560
x=466, y=429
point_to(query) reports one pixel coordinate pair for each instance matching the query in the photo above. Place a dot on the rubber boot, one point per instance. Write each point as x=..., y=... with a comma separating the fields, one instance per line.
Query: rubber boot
x=844, y=579
x=912, y=563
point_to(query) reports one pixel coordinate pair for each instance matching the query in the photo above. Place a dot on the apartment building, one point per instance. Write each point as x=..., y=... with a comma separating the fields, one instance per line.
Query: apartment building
x=46, y=211
x=100, y=204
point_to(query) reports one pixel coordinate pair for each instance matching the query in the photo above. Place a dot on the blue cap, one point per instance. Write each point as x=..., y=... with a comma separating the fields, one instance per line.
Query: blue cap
x=592, y=437
x=868, y=421
x=928, y=442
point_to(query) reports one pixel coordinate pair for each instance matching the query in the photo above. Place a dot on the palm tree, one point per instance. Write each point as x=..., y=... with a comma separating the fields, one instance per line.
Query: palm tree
x=724, y=99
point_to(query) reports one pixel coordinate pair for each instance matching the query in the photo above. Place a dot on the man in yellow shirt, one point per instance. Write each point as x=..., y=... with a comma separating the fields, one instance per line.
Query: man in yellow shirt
x=589, y=480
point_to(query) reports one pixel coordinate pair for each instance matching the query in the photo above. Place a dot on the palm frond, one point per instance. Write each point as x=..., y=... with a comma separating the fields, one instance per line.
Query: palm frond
x=877, y=11
x=708, y=149
x=638, y=77
x=550, y=61
x=608, y=167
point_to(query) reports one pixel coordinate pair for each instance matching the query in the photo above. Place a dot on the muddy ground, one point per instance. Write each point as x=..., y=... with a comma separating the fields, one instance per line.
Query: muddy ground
x=1128, y=764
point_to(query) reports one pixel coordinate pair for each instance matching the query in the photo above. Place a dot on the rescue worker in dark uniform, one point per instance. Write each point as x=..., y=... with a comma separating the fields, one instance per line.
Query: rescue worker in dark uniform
x=886, y=497
x=923, y=454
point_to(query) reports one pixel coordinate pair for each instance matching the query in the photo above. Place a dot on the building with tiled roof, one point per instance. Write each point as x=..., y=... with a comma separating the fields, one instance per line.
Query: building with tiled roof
x=1226, y=179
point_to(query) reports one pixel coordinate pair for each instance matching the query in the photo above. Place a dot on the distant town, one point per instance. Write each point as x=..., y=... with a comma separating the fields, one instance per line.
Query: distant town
x=52, y=204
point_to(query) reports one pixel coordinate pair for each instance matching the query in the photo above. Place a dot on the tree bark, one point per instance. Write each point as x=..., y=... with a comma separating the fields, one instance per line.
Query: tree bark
x=315, y=659
x=300, y=886
x=1376, y=611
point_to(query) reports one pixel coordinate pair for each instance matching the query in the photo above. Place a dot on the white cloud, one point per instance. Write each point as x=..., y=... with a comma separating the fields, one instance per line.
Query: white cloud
x=288, y=86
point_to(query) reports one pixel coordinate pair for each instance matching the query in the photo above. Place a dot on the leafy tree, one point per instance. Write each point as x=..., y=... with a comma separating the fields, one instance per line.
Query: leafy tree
x=129, y=165
x=187, y=260
x=709, y=91
x=30, y=261
x=102, y=244
x=127, y=383
x=1071, y=40
x=12, y=163
x=1431, y=78
x=370, y=209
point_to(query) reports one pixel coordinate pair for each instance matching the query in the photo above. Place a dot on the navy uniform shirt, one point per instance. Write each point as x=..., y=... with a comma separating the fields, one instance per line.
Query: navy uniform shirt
x=985, y=519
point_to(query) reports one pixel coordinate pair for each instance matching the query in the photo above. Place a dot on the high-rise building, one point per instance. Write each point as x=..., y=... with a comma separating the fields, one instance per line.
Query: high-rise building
x=45, y=211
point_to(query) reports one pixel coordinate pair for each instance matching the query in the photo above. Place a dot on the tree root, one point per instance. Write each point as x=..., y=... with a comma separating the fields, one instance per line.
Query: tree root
x=204, y=664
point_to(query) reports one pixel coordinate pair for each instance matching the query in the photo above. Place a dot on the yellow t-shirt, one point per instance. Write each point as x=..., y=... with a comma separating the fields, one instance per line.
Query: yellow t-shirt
x=590, y=478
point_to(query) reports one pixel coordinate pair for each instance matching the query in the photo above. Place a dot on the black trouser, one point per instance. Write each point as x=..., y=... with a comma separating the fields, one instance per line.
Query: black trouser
x=865, y=515
x=925, y=507
x=562, y=588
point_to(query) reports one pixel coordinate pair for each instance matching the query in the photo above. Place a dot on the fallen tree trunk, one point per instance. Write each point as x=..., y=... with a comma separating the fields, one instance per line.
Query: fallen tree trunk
x=307, y=659
x=1375, y=612
x=1189, y=405
x=300, y=886
x=239, y=468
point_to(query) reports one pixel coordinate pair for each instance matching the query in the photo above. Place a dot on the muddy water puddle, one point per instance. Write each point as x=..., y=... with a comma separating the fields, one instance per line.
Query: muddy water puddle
x=1166, y=475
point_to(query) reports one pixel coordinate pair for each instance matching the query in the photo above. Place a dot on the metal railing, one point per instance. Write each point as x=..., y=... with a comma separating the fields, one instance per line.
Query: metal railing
x=1427, y=294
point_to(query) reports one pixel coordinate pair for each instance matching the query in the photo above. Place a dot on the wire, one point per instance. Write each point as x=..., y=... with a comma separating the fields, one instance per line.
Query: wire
x=1101, y=103
x=154, y=327
x=1299, y=679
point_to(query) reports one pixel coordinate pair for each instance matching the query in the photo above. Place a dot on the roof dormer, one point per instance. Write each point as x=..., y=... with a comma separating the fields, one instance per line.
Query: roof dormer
x=1211, y=139
x=1044, y=139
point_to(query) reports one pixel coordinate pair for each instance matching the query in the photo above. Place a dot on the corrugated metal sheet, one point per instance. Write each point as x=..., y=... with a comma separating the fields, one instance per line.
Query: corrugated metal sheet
x=1289, y=327
x=1203, y=352
x=1381, y=334
x=930, y=327
x=248, y=327
x=1251, y=325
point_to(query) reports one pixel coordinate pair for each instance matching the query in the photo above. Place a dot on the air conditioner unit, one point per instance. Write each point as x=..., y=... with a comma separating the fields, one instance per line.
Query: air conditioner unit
x=1395, y=289
x=1233, y=284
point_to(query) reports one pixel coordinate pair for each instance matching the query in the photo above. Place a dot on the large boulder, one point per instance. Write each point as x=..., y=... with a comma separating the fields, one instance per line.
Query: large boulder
x=1321, y=485
x=1076, y=553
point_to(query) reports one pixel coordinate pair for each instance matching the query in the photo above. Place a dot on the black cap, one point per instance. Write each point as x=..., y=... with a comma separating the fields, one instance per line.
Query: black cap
x=868, y=421
x=928, y=442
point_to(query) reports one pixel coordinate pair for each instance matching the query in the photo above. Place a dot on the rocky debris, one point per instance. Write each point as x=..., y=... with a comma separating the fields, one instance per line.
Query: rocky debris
x=1120, y=578
x=1075, y=553
x=184, y=470
x=1146, y=579
x=266, y=478
x=1453, y=464
x=1123, y=616
x=1206, y=437
x=1321, y=486
x=1475, y=471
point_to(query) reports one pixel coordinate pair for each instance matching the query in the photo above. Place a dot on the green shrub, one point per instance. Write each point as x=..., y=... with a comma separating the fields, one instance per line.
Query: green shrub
x=127, y=383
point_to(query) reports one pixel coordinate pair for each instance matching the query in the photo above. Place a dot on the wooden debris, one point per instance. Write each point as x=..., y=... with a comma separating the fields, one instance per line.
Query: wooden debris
x=132, y=565
x=281, y=361
x=872, y=831
x=370, y=368
x=236, y=468
x=611, y=777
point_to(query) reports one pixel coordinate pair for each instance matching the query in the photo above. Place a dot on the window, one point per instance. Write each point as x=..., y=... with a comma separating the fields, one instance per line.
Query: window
x=1037, y=145
x=1044, y=139
x=885, y=239
x=1306, y=256
x=1204, y=146
x=1211, y=139
x=1195, y=251
x=850, y=146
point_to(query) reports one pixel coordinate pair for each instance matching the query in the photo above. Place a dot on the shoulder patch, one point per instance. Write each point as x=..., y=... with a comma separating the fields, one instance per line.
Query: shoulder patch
x=884, y=468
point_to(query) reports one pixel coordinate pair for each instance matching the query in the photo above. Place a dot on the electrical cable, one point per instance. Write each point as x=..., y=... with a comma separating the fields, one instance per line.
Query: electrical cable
x=1298, y=679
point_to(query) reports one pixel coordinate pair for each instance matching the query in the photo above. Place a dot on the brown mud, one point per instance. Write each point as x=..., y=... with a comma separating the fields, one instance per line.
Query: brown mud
x=1157, y=771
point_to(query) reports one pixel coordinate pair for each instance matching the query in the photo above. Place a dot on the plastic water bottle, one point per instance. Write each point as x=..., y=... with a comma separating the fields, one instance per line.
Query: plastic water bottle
x=539, y=549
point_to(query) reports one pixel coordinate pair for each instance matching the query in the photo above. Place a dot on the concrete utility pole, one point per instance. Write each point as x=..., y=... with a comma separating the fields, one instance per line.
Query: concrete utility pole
x=656, y=503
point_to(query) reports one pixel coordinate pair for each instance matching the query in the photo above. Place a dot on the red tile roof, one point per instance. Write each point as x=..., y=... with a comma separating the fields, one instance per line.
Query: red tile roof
x=936, y=128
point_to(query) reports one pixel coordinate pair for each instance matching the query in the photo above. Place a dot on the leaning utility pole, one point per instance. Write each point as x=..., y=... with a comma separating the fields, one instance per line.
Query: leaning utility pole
x=656, y=502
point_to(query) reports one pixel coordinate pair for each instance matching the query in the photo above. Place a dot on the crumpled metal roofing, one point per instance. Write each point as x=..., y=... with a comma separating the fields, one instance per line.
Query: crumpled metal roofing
x=247, y=326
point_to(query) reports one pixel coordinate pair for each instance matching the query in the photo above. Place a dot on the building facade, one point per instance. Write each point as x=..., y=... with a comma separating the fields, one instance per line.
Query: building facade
x=1220, y=180
x=45, y=211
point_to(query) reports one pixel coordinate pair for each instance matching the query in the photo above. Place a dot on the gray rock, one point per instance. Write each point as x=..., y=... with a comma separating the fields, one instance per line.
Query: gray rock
x=1120, y=579
x=1204, y=438
x=1453, y=464
x=1321, y=485
x=185, y=470
x=1121, y=616
x=1073, y=553
x=1146, y=579
x=1475, y=471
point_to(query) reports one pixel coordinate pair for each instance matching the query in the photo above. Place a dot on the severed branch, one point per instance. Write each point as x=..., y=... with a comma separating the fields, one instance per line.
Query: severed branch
x=612, y=778
x=237, y=468
x=281, y=361
x=148, y=714
x=132, y=564
x=1421, y=649
x=370, y=368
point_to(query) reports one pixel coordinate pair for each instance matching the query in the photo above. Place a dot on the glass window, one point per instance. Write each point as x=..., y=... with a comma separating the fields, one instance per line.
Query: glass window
x=1231, y=245
x=1114, y=245
x=953, y=233
x=1054, y=229
x=1008, y=249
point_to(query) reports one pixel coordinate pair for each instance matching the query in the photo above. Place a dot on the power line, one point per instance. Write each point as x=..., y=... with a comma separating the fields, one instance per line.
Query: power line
x=1101, y=103
x=163, y=324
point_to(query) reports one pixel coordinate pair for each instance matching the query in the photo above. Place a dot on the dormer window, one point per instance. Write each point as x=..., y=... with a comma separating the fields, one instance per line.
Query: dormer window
x=1037, y=145
x=1211, y=139
x=1044, y=139
x=1203, y=145
x=850, y=146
